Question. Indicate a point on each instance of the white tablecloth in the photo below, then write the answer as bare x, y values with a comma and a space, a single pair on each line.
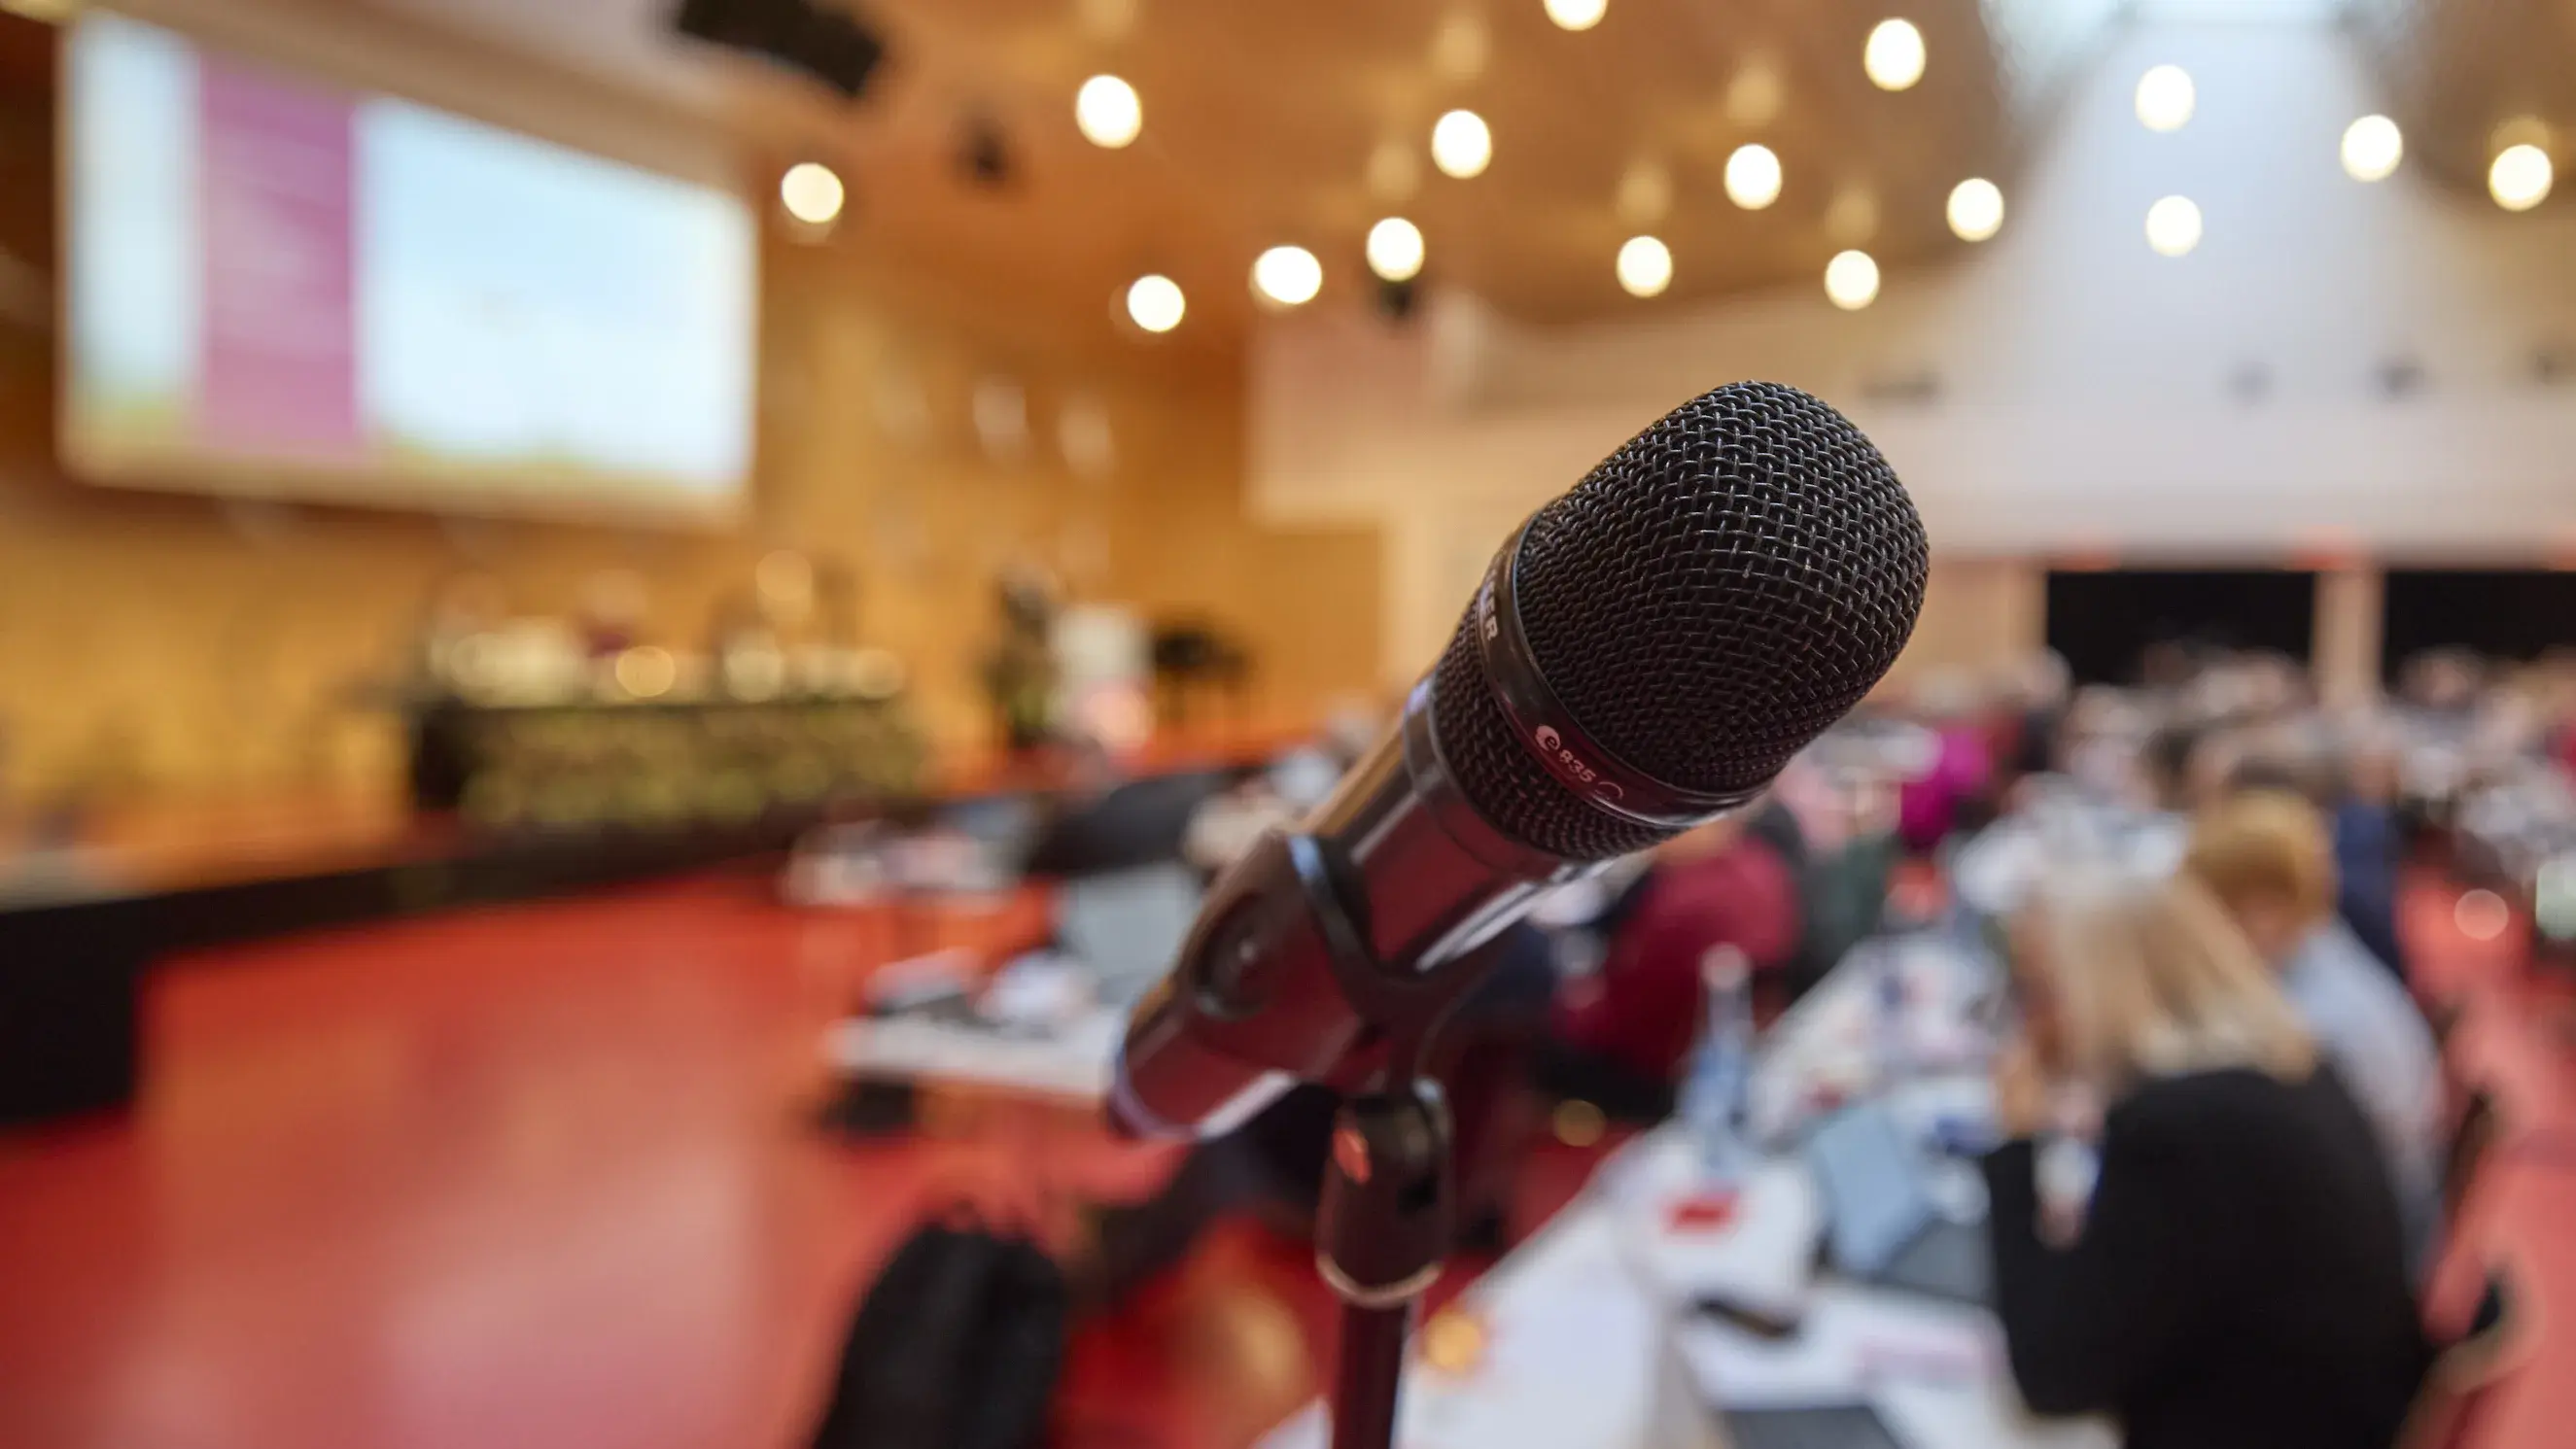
1594, 1342
1077, 1060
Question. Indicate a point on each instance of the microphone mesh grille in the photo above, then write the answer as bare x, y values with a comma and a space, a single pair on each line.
1707, 601
1499, 775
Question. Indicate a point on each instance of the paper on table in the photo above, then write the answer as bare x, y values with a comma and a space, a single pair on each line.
1572, 1352
1760, 1260
1852, 1340
1077, 1062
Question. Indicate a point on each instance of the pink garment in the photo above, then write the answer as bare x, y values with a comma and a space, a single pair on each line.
1927, 806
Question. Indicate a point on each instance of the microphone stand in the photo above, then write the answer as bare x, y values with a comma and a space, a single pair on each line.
1384, 1226
1380, 1239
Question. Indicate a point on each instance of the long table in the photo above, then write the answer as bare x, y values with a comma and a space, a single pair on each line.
1592, 1339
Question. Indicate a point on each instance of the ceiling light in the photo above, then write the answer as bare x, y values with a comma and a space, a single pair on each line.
1753, 177
2173, 226
1461, 146
1576, 14
2372, 147
1976, 209
1645, 266
1154, 302
1894, 55
811, 192
1289, 276
2519, 180
2165, 98
1107, 110
1851, 280
1395, 249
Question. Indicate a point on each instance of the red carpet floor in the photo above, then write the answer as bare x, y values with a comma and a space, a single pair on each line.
544, 1176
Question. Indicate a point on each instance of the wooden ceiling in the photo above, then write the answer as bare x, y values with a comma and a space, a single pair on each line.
2469, 77
1261, 121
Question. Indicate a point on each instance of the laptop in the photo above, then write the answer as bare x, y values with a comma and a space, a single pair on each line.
1883, 1225
1126, 927
1825, 1426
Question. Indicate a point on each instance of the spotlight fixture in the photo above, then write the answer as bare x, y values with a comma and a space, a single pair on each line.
984, 153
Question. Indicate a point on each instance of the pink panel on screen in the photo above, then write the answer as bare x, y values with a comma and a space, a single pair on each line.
280, 373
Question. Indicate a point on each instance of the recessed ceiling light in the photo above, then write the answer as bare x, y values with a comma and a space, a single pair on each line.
1461, 146
1155, 303
1108, 111
1893, 56
1395, 249
1753, 176
2166, 98
811, 192
2372, 147
2520, 177
1576, 14
1645, 266
1289, 276
1976, 209
2173, 226
1851, 280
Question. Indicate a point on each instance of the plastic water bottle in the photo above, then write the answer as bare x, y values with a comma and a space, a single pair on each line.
1712, 1103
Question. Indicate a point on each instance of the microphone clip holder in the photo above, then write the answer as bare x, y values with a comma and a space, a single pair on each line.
1384, 1228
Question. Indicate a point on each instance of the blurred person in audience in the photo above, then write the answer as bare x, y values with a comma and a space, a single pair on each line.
1932, 804
2267, 857
2239, 1278
2099, 742
2165, 767
1619, 1035
2369, 847
1845, 857
2274, 686
2443, 684
2034, 696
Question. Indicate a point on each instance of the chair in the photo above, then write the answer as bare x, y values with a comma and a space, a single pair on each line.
2447, 1409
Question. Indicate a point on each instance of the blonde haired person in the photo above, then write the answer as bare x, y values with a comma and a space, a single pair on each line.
2268, 857
2239, 1281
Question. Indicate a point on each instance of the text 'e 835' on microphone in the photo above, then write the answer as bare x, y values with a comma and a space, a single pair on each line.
1646, 652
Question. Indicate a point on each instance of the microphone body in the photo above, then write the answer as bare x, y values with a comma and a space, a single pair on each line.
1314, 937
1644, 654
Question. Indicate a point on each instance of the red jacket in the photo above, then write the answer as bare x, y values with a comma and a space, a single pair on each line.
1642, 1008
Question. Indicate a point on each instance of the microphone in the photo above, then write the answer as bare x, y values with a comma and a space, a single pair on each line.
1645, 653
